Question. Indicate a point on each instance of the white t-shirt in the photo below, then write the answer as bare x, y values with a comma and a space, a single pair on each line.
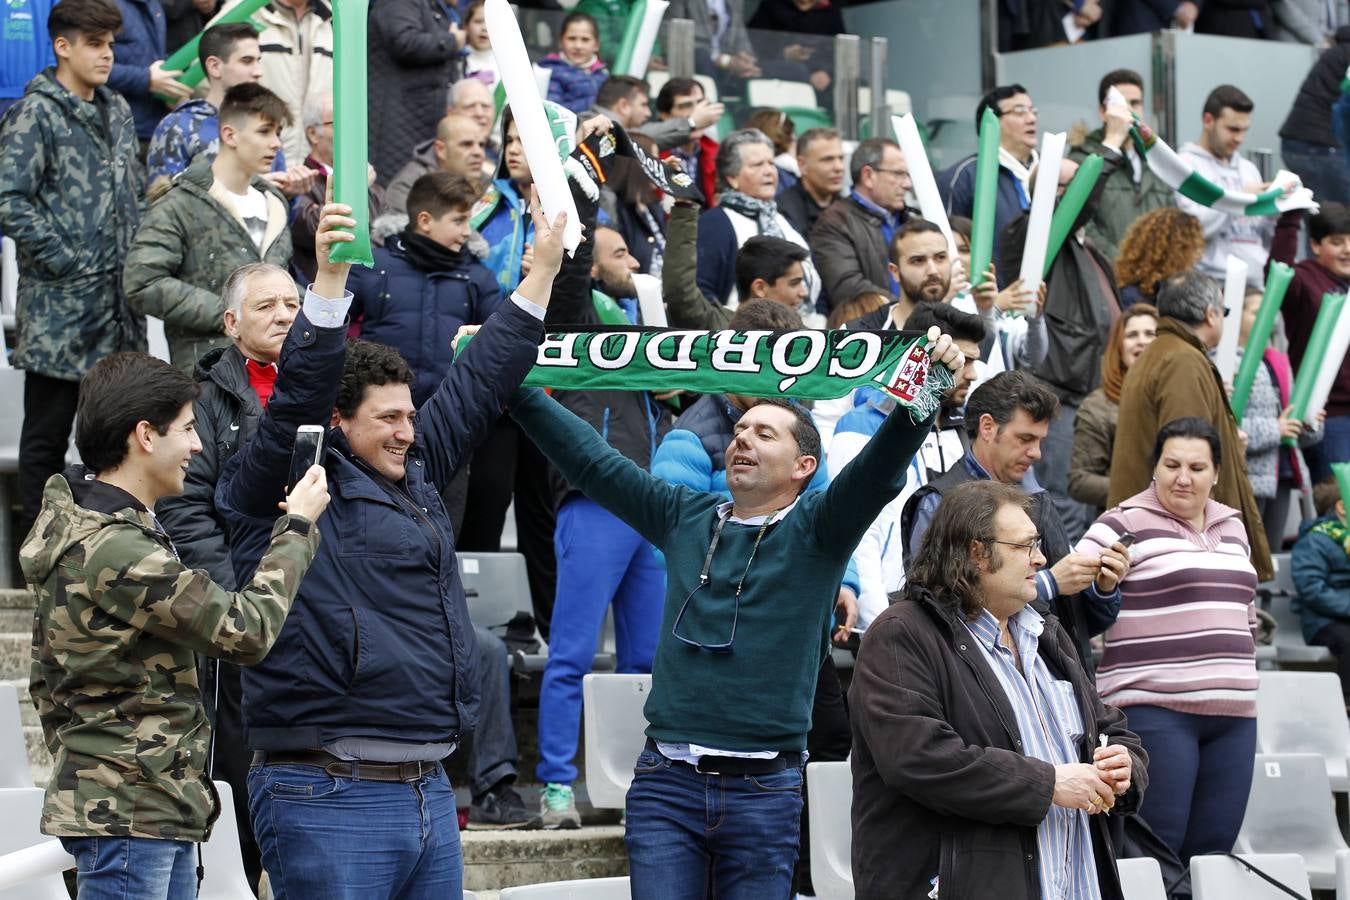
251, 209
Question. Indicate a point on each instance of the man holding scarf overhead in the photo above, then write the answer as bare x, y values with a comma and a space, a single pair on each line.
751, 584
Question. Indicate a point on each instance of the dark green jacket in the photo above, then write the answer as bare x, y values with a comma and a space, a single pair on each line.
1122, 201
114, 675
187, 246
70, 187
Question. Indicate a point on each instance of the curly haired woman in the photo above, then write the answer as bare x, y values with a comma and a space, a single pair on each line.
1158, 245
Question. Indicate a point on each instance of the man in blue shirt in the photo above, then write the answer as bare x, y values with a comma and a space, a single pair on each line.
25, 48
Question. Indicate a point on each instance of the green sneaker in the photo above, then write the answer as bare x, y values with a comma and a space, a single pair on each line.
557, 809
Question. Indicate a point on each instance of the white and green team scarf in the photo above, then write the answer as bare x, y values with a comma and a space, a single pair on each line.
1179, 175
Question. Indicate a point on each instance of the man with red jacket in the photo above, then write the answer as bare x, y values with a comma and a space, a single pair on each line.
681, 98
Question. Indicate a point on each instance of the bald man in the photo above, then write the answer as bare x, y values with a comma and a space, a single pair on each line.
458, 148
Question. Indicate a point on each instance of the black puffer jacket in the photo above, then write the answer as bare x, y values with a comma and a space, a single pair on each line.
937, 758
227, 413
412, 58
632, 422
1309, 118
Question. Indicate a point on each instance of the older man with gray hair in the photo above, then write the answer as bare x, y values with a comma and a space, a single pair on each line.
1173, 379
748, 180
261, 301
852, 239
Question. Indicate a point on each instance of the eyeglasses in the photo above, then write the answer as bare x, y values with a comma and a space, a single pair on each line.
725, 646
1020, 110
1032, 548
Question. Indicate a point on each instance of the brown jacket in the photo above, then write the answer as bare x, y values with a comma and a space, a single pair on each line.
1094, 431
941, 783
1172, 379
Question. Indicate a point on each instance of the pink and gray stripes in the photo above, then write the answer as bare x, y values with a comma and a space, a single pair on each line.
1183, 639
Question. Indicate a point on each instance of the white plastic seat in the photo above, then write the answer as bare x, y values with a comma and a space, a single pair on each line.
14, 771
899, 101
777, 93
20, 814
1289, 644
1291, 810
583, 889
829, 794
496, 587
222, 859
656, 80
1343, 877
1221, 878
615, 734
1304, 712
1141, 879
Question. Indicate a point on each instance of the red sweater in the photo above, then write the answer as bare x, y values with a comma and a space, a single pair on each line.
1303, 300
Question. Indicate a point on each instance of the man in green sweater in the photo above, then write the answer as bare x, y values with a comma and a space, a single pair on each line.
715, 804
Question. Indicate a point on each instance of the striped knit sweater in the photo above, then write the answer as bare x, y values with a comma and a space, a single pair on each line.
1183, 639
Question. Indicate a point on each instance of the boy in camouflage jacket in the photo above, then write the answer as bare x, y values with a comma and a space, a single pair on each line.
118, 621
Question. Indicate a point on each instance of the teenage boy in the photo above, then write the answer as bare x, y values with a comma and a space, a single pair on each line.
218, 215
230, 55
69, 195
1326, 272
118, 623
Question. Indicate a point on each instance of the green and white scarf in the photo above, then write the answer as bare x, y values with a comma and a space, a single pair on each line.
803, 365
1179, 175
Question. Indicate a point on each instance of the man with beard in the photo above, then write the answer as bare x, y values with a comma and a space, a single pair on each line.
922, 266
601, 559
879, 556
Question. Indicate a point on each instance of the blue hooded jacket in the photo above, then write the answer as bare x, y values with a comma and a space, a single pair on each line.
378, 643
1321, 570
140, 42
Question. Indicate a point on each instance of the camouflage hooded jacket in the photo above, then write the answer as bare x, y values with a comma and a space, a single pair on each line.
114, 678
70, 188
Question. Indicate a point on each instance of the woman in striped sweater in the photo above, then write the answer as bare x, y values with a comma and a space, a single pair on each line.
1180, 659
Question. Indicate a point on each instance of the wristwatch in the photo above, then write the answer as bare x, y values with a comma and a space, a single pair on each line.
299, 524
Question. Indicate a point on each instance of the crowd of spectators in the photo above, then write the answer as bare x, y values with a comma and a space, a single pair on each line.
1088, 434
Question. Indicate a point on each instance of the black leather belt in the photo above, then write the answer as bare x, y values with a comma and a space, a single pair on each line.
733, 765
355, 769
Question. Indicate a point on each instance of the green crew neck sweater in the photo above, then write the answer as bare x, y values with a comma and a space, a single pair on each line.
758, 695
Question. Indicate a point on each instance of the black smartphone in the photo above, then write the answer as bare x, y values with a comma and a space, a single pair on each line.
1127, 539
308, 451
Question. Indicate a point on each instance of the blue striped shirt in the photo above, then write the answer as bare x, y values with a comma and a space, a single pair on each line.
1050, 725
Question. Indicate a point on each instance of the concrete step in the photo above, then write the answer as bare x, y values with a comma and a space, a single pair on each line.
16, 611
500, 859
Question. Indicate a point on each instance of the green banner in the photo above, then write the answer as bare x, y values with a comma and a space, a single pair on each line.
804, 365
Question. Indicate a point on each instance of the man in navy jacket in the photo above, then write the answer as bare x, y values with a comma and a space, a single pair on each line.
373, 679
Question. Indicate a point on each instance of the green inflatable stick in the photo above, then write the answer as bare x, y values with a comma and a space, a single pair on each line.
1277, 282
1070, 205
986, 197
1342, 472
350, 148
1313, 357
623, 60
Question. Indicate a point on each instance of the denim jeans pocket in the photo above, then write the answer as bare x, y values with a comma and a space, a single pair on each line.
300, 783
649, 761
787, 781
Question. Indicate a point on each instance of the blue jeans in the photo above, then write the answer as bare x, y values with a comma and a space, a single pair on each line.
331, 838
1322, 169
600, 559
1199, 776
1334, 447
118, 868
692, 836
1052, 471
492, 753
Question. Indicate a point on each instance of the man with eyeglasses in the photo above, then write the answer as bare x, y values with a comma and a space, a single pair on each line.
1016, 157
977, 733
715, 802
1007, 417
852, 238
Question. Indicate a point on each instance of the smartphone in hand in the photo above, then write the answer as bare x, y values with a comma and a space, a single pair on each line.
308, 451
